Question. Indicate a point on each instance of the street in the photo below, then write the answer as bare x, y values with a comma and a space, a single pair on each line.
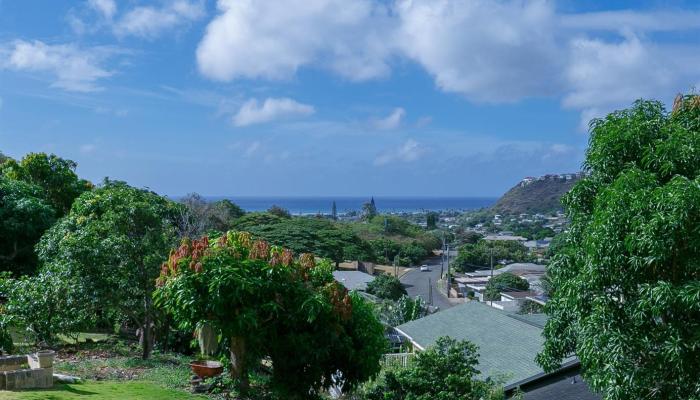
416, 283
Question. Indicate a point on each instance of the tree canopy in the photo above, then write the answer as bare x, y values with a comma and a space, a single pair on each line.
24, 216
625, 283
265, 302
55, 175
473, 256
110, 247
505, 282
386, 287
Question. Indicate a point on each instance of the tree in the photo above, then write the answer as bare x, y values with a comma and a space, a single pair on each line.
445, 370
267, 303
431, 220
279, 211
55, 175
505, 282
386, 287
256, 219
369, 210
405, 309
475, 256
223, 215
24, 216
624, 283
334, 211
111, 245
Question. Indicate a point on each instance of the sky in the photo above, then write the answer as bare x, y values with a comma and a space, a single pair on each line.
331, 97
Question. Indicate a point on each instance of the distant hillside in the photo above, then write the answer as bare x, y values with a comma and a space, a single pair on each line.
536, 195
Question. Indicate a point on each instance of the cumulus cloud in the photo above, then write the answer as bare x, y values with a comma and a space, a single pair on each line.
273, 39
252, 112
149, 22
70, 67
392, 121
106, 8
409, 151
486, 51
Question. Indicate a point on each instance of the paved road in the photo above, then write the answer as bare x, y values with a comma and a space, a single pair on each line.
416, 283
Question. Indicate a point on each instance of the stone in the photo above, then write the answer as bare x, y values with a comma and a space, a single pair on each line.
60, 378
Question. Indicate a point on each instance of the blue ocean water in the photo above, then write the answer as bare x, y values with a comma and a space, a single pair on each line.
313, 205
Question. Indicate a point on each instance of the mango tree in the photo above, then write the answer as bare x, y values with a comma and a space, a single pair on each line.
267, 303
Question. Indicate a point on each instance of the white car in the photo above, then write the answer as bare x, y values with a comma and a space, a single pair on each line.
424, 268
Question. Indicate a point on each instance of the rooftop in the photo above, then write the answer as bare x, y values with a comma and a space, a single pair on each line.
507, 343
353, 280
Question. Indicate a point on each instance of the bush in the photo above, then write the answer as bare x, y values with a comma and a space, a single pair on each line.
502, 283
386, 287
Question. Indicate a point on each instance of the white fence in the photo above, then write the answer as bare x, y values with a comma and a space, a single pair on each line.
397, 359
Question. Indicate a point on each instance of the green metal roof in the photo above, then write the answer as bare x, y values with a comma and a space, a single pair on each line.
507, 343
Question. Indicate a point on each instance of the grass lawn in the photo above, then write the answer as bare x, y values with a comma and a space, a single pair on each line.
102, 390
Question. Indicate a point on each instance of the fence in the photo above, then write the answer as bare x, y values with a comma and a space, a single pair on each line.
399, 360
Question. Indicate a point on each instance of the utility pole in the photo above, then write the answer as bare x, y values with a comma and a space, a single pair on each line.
491, 270
442, 258
430, 291
447, 289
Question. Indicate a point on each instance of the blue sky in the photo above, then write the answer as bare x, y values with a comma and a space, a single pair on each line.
329, 97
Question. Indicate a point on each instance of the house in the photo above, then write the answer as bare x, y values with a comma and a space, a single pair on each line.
505, 238
353, 280
508, 344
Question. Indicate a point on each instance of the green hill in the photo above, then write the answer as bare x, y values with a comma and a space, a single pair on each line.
536, 195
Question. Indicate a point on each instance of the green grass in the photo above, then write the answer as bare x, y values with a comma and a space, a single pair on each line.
103, 391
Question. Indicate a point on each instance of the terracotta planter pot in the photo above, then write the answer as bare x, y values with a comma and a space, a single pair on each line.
206, 369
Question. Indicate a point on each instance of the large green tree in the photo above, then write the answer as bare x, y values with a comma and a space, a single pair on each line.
24, 216
55, 175
264, 302
111, 245
386, 287
625, 284
473, 256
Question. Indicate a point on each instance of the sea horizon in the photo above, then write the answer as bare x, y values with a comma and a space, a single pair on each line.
385, 204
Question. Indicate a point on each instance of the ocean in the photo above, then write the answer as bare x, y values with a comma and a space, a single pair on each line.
314, 205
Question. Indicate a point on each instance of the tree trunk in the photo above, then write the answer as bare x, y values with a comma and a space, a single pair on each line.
147, 330
238, 367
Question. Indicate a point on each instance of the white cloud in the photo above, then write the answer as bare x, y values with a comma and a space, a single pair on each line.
409, 151
72, 68
486, 51
252, 148
392, 121
87, 148
273, 39
106, 8
252, 112
150, 22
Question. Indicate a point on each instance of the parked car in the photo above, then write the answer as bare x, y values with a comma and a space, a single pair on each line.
424, 268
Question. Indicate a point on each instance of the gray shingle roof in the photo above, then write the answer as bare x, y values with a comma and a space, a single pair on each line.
353, 280
507, 344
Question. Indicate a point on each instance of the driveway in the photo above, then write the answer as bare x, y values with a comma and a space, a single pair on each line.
417, 284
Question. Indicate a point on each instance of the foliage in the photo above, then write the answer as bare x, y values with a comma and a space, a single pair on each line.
369, 210
386, 287
478, 255
279, 211
405, 309
625, 293
314, 235
256, 219
444, 371
265, 302
44, 305
110, 247
431, 220
55, 175
223, 215
505, 282
24, 216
